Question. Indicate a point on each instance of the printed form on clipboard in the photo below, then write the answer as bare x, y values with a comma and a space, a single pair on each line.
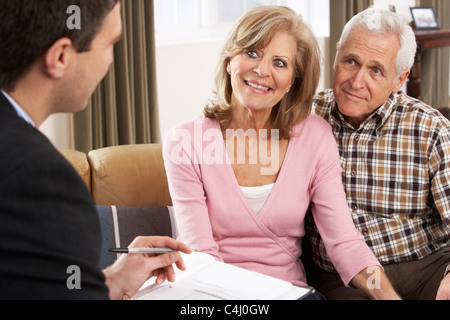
207, 279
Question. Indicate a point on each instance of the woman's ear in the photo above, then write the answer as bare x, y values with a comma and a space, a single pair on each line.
59, 57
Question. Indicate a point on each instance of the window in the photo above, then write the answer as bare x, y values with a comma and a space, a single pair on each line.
179, 21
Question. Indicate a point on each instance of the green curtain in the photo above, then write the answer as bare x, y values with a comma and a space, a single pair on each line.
435, 62
341, 11
123, 110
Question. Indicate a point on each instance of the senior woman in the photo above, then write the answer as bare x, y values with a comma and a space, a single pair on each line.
243, 176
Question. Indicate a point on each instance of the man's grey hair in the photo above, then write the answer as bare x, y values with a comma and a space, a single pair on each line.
375, 20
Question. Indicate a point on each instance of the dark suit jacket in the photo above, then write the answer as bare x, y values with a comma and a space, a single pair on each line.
48, 220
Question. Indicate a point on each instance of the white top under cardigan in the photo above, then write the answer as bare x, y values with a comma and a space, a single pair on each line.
257, 196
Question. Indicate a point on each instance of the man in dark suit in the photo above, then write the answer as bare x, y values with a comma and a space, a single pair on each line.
49, 230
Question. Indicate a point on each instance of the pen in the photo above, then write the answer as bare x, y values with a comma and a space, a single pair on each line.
141, 250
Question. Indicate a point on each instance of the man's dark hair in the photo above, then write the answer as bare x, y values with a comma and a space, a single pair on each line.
28, 28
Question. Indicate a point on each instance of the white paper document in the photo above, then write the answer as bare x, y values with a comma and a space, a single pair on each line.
208, 279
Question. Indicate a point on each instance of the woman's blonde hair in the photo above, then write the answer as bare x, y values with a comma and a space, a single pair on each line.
255, 30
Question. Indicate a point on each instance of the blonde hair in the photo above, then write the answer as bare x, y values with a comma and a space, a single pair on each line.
255, 30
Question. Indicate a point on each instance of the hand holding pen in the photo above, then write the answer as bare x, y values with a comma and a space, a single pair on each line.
131, 271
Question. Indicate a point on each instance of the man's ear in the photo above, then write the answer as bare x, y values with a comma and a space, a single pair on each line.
59, 57
400, 81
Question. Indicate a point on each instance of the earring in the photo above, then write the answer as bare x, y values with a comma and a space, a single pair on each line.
290, 87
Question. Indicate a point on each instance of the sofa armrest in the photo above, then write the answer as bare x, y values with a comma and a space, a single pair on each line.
80, 162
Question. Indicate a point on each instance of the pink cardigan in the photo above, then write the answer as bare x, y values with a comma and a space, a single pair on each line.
213, 216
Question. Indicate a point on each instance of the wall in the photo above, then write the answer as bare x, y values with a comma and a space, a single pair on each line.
58, 128
185, 80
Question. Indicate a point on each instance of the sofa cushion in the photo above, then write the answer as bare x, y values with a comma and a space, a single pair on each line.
121, 225
131, 175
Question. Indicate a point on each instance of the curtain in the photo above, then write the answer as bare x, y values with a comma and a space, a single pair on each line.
341, 11
435, 62
123, 110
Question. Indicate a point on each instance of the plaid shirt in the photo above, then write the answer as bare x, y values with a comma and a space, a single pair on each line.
396, 173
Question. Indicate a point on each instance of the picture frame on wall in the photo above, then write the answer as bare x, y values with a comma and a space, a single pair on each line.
424, 18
